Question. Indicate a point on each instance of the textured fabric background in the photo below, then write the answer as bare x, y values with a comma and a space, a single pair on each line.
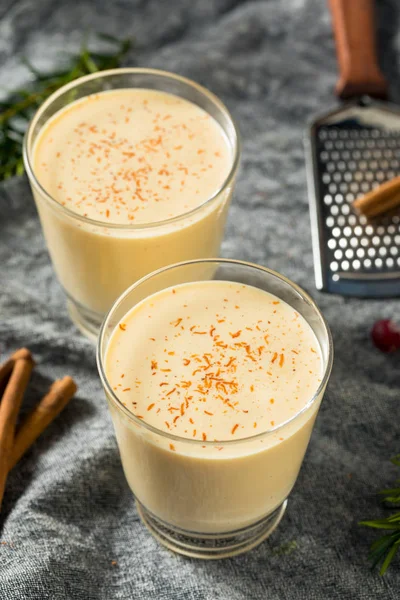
68, 513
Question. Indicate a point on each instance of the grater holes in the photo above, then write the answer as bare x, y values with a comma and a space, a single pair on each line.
330, 221
354, 162
398, 261
347, 231
352, 219
365, 187
334, 266
345, 208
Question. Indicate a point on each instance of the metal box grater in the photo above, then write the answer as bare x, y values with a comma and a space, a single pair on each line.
351, 150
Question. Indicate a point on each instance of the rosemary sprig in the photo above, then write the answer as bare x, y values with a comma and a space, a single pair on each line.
18, 109
384, 549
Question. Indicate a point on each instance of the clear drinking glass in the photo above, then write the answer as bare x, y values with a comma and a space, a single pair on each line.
96, 261
200, 504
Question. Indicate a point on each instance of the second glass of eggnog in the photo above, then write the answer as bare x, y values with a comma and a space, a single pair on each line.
131, 170
214, 371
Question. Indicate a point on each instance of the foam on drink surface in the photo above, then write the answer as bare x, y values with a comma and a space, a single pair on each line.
214, 361
132, 156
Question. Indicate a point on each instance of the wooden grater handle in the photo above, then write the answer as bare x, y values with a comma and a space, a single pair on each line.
353, 24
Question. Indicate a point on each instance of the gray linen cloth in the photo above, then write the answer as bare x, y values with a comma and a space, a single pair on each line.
69, 528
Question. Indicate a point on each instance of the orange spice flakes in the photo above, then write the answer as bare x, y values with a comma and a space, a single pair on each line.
234, 428
150, 406
172, 447
271, 400
176, 323
206, 412
281, 360
236, 334
126, 390
186, 362
122, 326
275, 356
171, 391
204, 436
252, 388
154, 365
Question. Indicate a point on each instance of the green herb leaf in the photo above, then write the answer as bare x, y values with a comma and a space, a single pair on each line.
384, 549
19, 108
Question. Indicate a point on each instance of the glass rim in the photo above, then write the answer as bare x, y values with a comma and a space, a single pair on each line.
170, 436
27, 151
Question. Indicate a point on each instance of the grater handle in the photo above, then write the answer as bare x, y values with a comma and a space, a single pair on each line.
353, 24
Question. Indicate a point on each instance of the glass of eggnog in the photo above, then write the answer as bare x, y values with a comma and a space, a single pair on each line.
131, 170
214, 371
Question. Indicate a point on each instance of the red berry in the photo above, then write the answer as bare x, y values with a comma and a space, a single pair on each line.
386, 335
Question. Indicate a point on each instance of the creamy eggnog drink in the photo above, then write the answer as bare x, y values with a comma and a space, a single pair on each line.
128, 180
224, 366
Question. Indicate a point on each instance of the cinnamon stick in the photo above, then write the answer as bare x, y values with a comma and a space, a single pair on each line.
58, 396
7, 366
9, 409
379, 200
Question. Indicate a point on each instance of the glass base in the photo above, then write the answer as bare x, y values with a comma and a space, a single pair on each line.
87, 321
212, 546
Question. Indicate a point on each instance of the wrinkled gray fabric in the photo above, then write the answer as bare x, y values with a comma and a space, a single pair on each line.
69, 527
